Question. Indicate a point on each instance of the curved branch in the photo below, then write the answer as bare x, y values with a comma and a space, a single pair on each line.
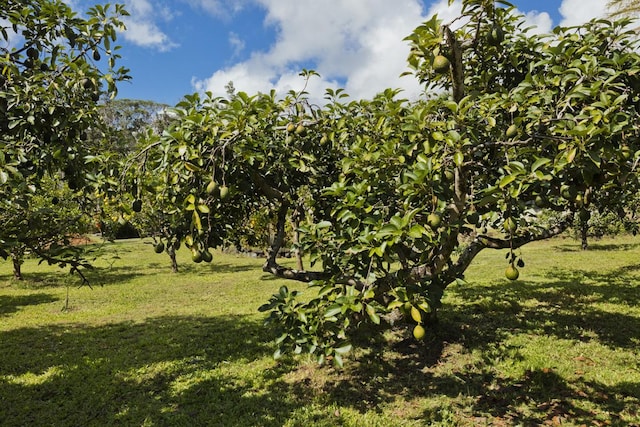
484, 242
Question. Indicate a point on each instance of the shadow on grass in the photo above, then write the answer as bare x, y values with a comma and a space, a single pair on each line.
443, 366
165, 371
593, 247
11, 304
62, 277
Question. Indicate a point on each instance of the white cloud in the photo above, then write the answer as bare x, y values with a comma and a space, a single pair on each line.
237, 43
540, 21
576, 12
142, 27
445, 12
359, 43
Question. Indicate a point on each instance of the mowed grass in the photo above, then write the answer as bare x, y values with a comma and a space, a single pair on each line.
148, 347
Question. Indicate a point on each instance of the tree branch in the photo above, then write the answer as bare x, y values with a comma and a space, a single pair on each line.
485, 242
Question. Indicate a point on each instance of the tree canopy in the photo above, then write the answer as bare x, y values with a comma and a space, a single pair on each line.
55, 67
394, 198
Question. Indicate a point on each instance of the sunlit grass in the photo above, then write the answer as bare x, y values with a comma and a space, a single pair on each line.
144, 346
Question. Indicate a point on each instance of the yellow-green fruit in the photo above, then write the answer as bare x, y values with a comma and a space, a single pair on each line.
196, 256
206, 256
300, 129
415, 314
458, 158
434, 219
212, 187
510, 225
512, 272
224, 192
418, 332
291, 127
512, 131
495, 36
441, 64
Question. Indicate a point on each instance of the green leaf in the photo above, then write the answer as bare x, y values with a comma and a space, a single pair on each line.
333, 310
371, 311
506, 180
539, 163
323, 224
343, 349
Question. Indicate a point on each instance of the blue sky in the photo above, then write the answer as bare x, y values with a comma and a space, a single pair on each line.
177, 47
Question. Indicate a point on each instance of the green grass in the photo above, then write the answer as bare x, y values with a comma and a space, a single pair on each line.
147, 347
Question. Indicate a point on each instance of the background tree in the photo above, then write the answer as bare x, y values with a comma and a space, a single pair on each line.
126, 122
404, 194
621, 8
55, 66
46, 226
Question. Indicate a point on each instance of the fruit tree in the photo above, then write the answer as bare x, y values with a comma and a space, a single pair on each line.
54, 68
394, 198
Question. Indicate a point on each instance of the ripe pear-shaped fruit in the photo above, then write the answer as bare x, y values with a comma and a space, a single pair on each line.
511, 272
495, 36
441, 64
512, 131
224, 192
212, 187
196, 256
434, 220
300, 129
291, 127
419, 332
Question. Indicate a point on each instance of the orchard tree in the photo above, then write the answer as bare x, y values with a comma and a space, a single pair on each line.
46, 226
54, 68
394, 199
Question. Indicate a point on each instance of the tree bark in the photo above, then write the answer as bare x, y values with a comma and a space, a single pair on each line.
17, 266
174, 263
584, 228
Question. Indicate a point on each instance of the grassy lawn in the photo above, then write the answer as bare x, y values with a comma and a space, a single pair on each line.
558, 347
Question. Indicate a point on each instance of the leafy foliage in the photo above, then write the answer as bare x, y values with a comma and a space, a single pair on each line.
55, 67
394, 199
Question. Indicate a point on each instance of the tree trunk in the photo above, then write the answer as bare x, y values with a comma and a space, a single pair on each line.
17, 266
296, 250
174, 263
584, 228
